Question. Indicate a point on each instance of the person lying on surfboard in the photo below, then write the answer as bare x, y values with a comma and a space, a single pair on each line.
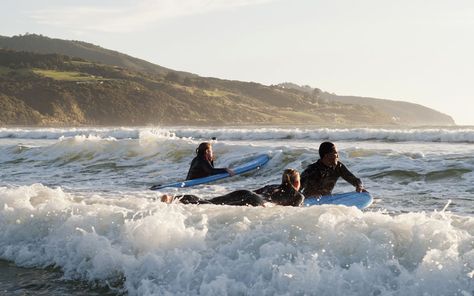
320, 177
285, 194
203, 164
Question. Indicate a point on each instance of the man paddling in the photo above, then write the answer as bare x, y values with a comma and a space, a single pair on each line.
320, 177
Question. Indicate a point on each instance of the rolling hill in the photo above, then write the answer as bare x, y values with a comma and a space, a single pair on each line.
46, 81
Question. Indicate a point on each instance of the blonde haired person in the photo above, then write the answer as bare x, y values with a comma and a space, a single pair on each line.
286, 193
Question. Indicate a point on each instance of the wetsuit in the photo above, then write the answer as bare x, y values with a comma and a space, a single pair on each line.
318, 179
283, 195
201, 167
236, 198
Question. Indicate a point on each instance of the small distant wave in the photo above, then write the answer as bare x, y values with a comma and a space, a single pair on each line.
445, 135
83, 149
397, 174
465, 135
58, 133
415, 176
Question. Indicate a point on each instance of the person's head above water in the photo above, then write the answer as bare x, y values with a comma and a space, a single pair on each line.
325, 148
291, 177
328, 153
205, 150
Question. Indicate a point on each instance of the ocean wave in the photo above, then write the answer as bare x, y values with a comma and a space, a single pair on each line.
356, 134
431, 176
445, 135
92, 148
58, 133
144, 247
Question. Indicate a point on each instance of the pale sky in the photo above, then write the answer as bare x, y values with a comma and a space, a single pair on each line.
420, 51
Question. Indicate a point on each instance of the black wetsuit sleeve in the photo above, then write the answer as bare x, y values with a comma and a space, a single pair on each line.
348, 176
191, 199
235, 198
259, 190
267, 190
201, 168
238, 198
288, 198
216, 171
280, 195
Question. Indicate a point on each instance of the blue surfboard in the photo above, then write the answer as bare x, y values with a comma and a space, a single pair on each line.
360, 200
256, 163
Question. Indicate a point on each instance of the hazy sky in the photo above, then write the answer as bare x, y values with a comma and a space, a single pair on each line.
410, 50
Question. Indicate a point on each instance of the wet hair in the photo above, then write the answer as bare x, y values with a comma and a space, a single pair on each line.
325, 148
201, 149
289, 177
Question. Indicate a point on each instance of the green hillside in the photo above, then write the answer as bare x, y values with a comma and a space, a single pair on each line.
76, 83
87, 51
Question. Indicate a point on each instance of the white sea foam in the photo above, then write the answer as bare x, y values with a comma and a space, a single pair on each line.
347, 134
79, 199
151, 248
56, 133
451, 135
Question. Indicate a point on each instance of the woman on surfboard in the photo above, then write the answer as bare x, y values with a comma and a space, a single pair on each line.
203, 164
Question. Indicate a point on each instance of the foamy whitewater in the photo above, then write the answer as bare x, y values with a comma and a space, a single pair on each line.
76, 215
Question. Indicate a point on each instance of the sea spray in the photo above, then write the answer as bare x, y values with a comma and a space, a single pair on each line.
154, 248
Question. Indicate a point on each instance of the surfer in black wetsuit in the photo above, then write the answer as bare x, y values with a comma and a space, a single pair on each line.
320, 177
203, 164
285, 194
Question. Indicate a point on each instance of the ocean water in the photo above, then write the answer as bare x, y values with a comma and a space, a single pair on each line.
76, 215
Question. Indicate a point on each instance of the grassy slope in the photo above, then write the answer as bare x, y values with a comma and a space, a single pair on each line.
161, 95
80, 92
